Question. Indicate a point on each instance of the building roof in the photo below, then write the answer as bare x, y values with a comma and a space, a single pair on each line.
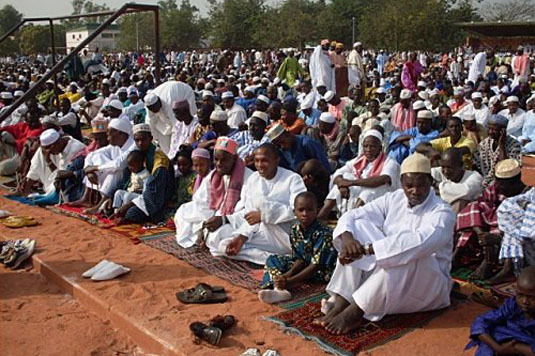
500, 29
92, 27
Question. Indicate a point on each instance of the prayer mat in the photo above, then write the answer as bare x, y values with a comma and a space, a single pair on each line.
77, 212
373, 334
505, 290
463, 275
20, 199
243, 274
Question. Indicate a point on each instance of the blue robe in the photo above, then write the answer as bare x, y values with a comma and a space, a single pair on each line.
503, 324
303, 149
400, 151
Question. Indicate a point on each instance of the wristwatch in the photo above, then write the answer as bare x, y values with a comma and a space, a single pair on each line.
368, 249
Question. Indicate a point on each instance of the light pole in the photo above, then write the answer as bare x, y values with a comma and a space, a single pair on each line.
353, 25
137, 36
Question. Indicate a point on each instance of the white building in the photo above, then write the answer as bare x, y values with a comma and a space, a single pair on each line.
107, 40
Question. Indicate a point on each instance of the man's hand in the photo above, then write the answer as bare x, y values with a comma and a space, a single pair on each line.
344, 192
213, 223
351, 249
234, 247
507, 348
525, 141
253, 217
91, 169
92, 177
344, 183
64, 174
280, 282
121, 212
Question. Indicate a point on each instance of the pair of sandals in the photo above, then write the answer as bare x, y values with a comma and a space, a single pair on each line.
212, 332
203, 294
14, 252
16, 222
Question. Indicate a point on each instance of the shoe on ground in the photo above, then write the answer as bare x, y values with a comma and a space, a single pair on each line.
110, 271
92, 271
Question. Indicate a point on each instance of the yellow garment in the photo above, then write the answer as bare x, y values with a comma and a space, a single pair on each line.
442, 144
160, 160
73, 97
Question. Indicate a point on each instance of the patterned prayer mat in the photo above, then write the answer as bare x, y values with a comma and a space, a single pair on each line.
505, 290
243, 274
300, 321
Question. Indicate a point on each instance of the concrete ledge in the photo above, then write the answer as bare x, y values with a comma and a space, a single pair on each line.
143, 337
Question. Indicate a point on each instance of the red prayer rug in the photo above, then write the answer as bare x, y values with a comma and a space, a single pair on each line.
299, 320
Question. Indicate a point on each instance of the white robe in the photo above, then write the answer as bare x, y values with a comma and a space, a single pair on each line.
163, 122
516, 122
390, 168
468, 188
40, 171
355, 70
478, 67
111, 162
321, 72
274, 199
410, 271
182, 134
236, 116
190, 217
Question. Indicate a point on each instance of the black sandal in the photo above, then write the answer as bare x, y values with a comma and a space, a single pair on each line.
202, 294
210, 334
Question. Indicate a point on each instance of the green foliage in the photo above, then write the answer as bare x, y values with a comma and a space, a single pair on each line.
137, 28
9, 17
180, 26
233, 23
85, 7
414, 24
36, 38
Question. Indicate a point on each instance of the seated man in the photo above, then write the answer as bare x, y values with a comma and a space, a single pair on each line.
331, 136
55, 153
250, 139
13, 139
268, 197
456, 185
404, 143
394, 254
364, 178
151, 204
477, 223
215, 208
495, 148
295, 149
435, 148
104, 167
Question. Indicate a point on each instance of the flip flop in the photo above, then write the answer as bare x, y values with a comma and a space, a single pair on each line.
202, 294
15, 222
210, 334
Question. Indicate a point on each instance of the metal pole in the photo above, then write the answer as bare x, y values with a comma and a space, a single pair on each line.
157, 38
53, 49
137, 36
353, 25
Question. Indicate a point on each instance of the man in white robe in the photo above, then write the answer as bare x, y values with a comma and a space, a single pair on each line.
355, 66
201, 219
56, 153
104, 167
456, 185
477, 68
160, 115
184, 127
394, 254
236, 113
515, 115
321, 68
268, 197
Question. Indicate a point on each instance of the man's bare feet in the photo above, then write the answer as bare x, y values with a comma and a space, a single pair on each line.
483, 272
82, 203
505, 275
339, 305
346, 321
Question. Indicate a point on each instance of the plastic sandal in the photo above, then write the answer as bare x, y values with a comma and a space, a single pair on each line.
202, 294
210, 334
19, 221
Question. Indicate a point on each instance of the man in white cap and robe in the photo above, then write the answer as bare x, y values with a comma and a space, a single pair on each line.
515, 115
480, 110
321, 69
250, 139
104, 167
160, 114
56, 153
394, 254
236, 113
268, 197
356, 72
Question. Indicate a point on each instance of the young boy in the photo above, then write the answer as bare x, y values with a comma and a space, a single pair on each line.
138, 175
313, 256
509, 330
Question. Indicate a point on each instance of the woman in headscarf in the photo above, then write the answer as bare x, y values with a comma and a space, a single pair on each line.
364, 178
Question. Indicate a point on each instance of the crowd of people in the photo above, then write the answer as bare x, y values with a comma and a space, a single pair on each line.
414, 159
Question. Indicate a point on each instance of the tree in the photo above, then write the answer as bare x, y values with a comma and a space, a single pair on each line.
511, 10
180, 26
414, 24
9, 17
80, 7
36, 38
336, 21
137, 29
234, 22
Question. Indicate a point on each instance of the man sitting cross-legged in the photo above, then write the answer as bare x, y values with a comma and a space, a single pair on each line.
268, 197
394, 254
